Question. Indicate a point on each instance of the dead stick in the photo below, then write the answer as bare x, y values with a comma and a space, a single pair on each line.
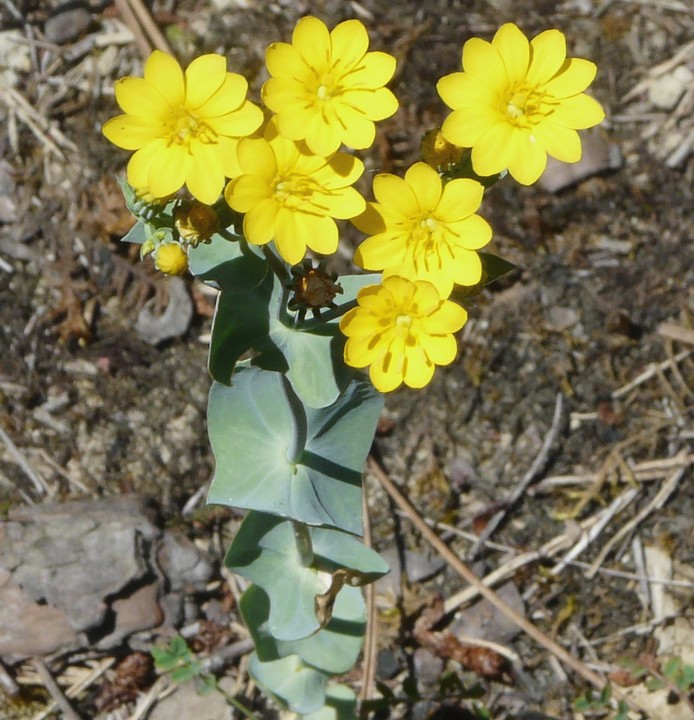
371, 618
517, 492
464, 571
54, 690
7, 682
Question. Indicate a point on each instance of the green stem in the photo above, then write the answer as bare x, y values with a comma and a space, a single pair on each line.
276, 265
237, 704
304, 546
328, 316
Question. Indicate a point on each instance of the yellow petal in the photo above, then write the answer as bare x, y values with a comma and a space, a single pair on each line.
323, 138
321, 234
284, 61
426, 185
342, 204
259, 222
131, 132
386, 375
482, 59
206, 176
382, 250
163, 72
312, 40
578, 112
245, 192
374, 71
355, 130
370, 221
547, 55
344, 170
466, 126
359, 352
528, 160
359, 323
349, 42
227, 152
240, 122
227, 98
492, 152
291, 231
402, 291
372, 104
473, 232
396, 194
441, 349
138, 97
169, 170
418, 368
204, 77
559, 142
461, 197
467, 268
449, 318
514, 49
462, 90
574, 78
425, 299
256, 157
141, 162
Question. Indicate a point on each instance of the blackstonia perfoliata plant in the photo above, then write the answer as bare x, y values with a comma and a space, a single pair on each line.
237, 195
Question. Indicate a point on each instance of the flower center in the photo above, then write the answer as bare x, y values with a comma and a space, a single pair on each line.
184, 127
403, 322
526, 106
294, 191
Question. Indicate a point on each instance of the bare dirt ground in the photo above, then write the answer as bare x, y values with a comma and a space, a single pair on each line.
597, 551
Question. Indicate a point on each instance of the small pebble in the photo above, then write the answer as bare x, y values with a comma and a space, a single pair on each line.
67, 23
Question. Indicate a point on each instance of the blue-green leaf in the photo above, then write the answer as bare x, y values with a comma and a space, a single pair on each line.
333, 649
228, 261
137, 234
295, 685
340, 704
264, 551
252, 427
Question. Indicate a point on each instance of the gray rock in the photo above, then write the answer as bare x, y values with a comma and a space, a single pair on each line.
90, 573
599, 155
173, 322
67, 23
186, 703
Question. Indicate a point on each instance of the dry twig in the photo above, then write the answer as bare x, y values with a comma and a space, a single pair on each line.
54, 690
452, 559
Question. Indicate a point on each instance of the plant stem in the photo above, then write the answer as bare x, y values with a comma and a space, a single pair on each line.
304, 546
276, 265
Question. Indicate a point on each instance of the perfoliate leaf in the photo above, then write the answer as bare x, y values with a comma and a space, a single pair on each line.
253, 427
340, 704
493, 267
333, 649
294, 684
264, 551
228, 261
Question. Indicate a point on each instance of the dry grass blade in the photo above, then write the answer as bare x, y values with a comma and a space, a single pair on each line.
140, 22
525, 625
54, 690
370, 641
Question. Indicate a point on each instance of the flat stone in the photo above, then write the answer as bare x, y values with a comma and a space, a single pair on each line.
67, 23
599, 155
173, 322
90, 569
666, 91
210, 706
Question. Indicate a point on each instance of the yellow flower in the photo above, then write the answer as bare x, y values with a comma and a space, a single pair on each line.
518, 101
292, 195
171, 259
183, 127
326, 88
401, 330
424, 230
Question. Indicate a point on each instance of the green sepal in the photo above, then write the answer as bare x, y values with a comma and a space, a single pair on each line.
138, 234
333, 649
254, 424
340, 704
229, 261
292, 683
264, 552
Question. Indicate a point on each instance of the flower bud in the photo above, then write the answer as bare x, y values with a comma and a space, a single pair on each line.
171, 259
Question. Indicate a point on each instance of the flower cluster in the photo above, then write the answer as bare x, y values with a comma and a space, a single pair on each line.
515, 102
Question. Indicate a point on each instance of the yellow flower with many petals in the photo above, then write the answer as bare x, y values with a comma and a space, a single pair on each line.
517, 101
424, 230
326, 88
401, 330
291, 195
184, 127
